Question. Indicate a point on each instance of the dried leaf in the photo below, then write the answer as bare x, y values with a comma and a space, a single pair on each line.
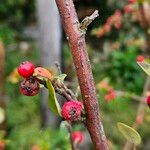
42, 72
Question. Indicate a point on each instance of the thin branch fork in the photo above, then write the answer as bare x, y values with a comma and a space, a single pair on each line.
88, 20
77, 44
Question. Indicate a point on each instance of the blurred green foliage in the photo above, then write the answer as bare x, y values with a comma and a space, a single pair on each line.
17, 12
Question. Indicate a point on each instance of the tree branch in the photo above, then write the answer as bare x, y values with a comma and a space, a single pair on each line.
77, 44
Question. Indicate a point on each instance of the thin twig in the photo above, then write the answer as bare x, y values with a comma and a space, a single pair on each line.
132, 96
88, 20
70, 132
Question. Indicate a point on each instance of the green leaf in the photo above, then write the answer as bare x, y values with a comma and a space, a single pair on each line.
145, 66
52, 100
61, 77
129, 133
64, 130
140, 1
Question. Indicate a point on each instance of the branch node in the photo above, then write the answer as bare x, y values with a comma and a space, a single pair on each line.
87, 20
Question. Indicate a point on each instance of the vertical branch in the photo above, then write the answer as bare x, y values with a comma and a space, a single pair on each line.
76, 39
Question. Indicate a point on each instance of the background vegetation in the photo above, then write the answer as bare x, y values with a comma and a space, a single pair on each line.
113, 58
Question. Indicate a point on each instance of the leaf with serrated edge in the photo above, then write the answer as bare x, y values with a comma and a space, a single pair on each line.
145, 66
52, 100
129, 133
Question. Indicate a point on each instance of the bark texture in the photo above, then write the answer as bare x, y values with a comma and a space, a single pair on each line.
76, 39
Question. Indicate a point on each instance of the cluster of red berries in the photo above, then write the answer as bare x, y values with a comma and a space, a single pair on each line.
112, 21
29, 86
129, 8
71, 110
115, 20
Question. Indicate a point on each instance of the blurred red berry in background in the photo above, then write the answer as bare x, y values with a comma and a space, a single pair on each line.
77, 137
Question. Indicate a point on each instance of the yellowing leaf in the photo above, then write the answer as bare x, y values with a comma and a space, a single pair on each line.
52, 100
2, 115
129, 133
14, 77
145, 66
42, 72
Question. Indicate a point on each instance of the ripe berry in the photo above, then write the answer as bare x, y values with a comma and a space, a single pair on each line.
77, 137
71, 110
148, 101
128, 9
107, 28
35, 147
29, 87
111, 95
26, 69
140, 58
2, 144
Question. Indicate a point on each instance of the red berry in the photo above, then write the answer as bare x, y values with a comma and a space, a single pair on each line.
29, 87
77, 137
148, 101
26, 69
140, 58
107, 28
71, 110
35, 147
117, 25
2, 144
111, 95
128, 9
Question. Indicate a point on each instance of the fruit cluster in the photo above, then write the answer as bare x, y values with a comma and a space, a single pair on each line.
71, 110
29, 86
116, 20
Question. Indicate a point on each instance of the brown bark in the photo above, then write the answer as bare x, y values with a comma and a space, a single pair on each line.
77, 44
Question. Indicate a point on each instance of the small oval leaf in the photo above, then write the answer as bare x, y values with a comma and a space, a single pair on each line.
2, 115
61, 77
129, 133
52, 100
42, 72
145, 66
